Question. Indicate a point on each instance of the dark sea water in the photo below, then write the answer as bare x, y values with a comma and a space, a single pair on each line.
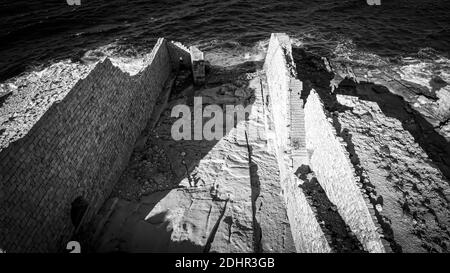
35, 33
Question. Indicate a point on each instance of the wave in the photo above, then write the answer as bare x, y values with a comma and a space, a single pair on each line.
424, 68
229, 52
427, 67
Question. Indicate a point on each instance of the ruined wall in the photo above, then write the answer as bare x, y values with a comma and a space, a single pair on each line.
331, 164
278, 79
78, 148
179, 54
326, 156
306, 231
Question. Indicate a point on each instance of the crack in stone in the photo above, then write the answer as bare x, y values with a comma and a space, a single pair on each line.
255, 191
212, 235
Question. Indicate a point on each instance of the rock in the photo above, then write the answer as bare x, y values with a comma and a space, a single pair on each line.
240, 92
422, 99
437, 82
379, 207
385, 149
304, 169
160, 179
12, 86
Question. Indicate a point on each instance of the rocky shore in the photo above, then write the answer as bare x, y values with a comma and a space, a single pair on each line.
396, 136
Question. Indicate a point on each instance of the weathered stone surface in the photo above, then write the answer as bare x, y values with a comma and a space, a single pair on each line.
393, 150
401, 176
78, 147
280, 72
229, 201
198, 65
311, 168
336, 175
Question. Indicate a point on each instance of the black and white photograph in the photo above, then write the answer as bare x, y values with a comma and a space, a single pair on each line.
253, 128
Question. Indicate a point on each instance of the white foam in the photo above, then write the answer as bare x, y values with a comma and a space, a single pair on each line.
422, 72
131, 64
224, 56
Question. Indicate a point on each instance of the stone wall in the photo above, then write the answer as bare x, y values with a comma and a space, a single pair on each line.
281, 80
77, 149
179, 54
278, 80
331, 164
294, 124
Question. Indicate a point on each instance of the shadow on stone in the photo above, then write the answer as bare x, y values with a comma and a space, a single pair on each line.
159, 164
312, 71
338, 234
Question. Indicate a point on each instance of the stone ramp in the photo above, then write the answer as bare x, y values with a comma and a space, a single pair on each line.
270, 207
297, 132
297, 117
284, 121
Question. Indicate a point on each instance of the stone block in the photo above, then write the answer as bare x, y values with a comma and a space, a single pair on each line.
198, 65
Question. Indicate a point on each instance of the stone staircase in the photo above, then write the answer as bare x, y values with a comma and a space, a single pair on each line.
299, 154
